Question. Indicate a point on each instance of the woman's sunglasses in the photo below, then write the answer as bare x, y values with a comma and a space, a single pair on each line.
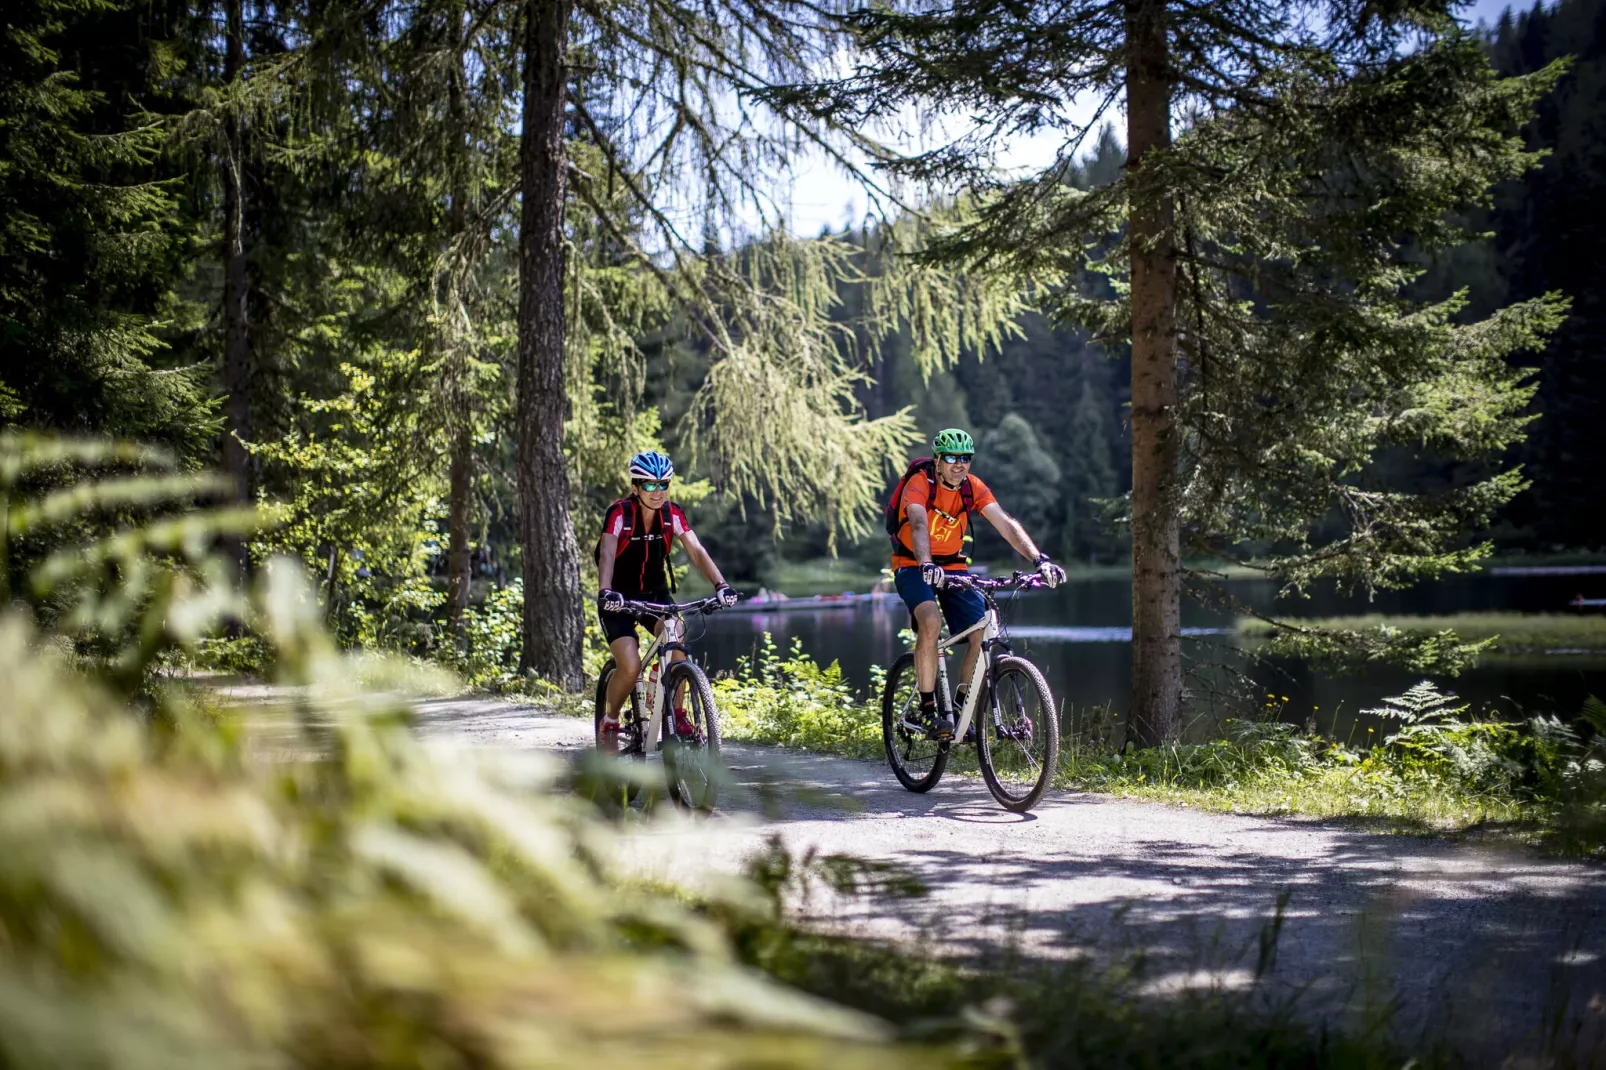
653, 488
957, 458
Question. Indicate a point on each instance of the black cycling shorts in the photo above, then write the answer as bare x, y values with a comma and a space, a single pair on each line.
623, 625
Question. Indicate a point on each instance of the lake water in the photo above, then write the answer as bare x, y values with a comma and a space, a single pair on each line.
1080, 636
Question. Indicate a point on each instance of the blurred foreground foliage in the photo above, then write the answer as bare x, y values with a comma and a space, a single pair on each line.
302, 882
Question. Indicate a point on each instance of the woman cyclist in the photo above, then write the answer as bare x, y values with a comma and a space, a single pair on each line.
633, 565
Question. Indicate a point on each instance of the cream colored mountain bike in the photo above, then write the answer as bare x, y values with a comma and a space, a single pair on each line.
1016, 724
646, 730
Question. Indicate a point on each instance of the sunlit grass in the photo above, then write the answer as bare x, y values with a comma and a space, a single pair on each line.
1513, 633
1424, 803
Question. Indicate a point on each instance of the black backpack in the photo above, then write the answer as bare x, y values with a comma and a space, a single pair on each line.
893, 514
665, 525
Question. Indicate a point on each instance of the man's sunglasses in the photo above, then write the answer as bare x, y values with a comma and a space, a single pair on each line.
653, 488
957, 458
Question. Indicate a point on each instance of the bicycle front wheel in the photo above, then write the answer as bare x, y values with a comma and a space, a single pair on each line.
1019, 753
691, 762
917, 760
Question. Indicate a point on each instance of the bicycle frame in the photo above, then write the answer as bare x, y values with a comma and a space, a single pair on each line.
661, 649
655, 699
989, 641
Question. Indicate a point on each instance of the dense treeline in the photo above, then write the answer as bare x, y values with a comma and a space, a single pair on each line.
1548, 230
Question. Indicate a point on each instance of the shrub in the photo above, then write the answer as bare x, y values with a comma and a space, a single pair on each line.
794, 702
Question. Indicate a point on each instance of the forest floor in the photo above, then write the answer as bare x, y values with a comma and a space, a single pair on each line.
1497, 947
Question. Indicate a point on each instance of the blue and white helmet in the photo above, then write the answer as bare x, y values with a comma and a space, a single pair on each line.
650, 464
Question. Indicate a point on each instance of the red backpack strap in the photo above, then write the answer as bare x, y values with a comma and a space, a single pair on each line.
928, 467
666, 521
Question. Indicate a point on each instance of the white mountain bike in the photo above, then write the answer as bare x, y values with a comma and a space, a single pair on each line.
1017, 735
645, 726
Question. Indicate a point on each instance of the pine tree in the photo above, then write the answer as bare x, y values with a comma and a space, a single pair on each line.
1089, 475
1281, 161
552, 597
89, 242
237, 377
1023, 474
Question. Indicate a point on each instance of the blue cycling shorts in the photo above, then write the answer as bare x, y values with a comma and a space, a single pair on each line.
961, 608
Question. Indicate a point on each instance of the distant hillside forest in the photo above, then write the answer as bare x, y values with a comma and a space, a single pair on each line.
1048, 412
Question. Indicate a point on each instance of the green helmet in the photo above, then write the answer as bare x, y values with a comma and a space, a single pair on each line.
953, 440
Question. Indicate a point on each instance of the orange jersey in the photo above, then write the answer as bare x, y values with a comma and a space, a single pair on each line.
946, 519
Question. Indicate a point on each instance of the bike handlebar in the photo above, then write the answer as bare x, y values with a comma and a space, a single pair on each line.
665, 609
1019, 580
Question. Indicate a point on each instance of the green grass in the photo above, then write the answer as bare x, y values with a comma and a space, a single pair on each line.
1513, 633
1234, 779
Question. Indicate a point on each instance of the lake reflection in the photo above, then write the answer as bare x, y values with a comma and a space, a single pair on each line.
1080, 636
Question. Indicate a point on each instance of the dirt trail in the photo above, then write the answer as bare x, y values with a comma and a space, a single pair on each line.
1485, 942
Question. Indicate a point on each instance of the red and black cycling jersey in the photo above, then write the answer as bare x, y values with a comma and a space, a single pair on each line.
640, 564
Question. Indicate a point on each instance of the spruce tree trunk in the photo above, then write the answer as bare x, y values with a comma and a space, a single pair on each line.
458, 575
1156, 715
236, 338
553, 628
460, 419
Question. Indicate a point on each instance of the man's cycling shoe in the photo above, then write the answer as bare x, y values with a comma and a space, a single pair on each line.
929, 724
608, 735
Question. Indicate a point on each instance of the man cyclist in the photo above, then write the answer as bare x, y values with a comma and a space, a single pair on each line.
934, 514
633, 565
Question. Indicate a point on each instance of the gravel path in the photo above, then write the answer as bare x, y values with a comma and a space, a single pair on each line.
1496, 946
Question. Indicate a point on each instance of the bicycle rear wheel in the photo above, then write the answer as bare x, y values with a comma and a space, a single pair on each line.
917, 760
1020, 756
692, 765
629, 738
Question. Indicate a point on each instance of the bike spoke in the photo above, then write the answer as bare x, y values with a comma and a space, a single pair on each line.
691, 759
1022, 746
916, 759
